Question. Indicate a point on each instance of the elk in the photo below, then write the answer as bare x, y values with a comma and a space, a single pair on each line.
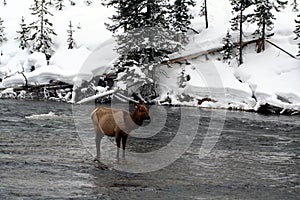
117, 123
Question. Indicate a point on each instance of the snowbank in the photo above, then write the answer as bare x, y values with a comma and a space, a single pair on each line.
269, 77
274, 80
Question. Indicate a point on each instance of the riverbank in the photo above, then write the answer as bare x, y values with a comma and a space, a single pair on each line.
196, 76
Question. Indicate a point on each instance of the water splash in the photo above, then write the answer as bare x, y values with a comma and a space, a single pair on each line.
50, 115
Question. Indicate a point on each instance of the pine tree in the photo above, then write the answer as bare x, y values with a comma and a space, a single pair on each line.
41, 38
147, 39
59, 5
127, 15
203, 12
71, 43
239, 6
264, 18
2, 34
24, 35
295, 6
228, 48
180, 14
297, 32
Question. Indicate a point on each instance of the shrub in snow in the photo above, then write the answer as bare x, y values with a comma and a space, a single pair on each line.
2, 34
133, 75
88, 2
297, 32
72, 3
183, 78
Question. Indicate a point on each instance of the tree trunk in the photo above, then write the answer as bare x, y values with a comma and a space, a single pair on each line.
148, 12
241, 35
263, 34
206, 18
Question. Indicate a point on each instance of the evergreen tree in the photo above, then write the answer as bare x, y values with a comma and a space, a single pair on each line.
24, 35
71, 43
228, 48
264, 17
2, 34
203, 12
180, 14
127, 15
147, 39
297, 32
295, 6
41, 38
59, 5
237, 21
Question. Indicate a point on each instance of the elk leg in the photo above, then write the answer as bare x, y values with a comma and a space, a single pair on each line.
98, 138
118, 141
124, 139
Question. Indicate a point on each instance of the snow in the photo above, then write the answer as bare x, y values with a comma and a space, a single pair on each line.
70, 67
271, 76
50, 115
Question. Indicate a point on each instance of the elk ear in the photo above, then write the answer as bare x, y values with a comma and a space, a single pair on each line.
136, 105
142, 102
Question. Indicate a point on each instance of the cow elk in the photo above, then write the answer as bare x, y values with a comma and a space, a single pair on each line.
117, 123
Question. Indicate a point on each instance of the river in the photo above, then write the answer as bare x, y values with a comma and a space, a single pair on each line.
47, 149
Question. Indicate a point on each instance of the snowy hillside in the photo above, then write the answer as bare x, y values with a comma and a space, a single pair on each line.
268, 77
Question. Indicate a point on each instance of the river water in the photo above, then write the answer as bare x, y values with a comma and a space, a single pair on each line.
46, 152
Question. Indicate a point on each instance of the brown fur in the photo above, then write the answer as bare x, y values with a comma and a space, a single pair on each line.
117, 123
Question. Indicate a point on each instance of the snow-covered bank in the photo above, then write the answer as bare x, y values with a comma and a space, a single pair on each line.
271, 77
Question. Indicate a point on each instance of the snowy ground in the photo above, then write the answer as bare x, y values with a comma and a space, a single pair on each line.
270, 77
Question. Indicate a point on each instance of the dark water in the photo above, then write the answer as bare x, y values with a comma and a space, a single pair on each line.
48, 157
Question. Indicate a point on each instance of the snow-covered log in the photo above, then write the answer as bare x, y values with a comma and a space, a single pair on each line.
267, 109
91, 98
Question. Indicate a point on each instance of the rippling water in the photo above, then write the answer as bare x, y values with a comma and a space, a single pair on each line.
45, 155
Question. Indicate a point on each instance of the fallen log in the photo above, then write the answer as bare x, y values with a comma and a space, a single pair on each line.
91, 98
281, 49
203, 53
267, 109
